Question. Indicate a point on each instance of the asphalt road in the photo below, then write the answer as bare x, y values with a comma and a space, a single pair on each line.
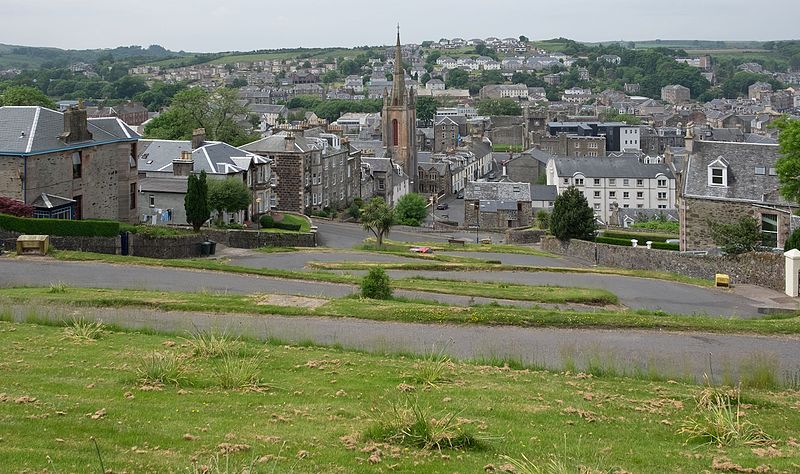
346, 235
670, 355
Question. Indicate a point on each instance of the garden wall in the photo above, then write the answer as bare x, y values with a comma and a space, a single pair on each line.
110, 245
524, 236
755, 268
181, 246
250, 239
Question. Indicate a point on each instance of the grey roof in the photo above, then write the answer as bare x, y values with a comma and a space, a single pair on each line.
742, 159
31, 130
267, 108
50, 201
537, 153
376, 145
277, 143
441, 167
212, 157
166, 184
623, 167
377, 164
497, 191
543, 192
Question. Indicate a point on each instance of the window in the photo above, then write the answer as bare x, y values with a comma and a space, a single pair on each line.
152, 201
566, 180
639, 183
578, 181
626, 195
626, 206
662, 196
597, 194
132, 157
662, 183
662, 206
773, 172
612, 194
612, 181
596, 182
381, 184
77, 165
626, 182
395, 132
640, 206
717, 176
133, 196
639, 195
769, 230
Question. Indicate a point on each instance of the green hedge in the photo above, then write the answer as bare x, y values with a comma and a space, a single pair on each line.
268, 222
641, 237
610, 240
87, 228
665, 246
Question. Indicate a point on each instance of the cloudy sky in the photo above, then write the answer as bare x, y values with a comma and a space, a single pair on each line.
214, 25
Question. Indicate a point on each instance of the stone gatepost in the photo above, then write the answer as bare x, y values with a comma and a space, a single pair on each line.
792, 272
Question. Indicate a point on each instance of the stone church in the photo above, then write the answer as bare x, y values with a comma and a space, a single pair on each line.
400, 120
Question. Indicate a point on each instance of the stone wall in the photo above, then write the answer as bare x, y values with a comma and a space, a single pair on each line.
249, 239
182, 246
524, 236
763, 269
109, 245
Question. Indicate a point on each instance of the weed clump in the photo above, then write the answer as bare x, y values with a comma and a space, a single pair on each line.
162, 368
376, 285
80, 329
233, 373
718, 420
212, 345
433, 370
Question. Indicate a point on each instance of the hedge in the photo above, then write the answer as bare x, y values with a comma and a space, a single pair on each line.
665, 246
610, 240
268, 222
88, 228
641, 237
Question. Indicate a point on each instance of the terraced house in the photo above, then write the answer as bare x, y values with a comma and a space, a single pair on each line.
85, 167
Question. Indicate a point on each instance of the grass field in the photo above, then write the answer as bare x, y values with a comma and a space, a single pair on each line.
393, 310
155, 403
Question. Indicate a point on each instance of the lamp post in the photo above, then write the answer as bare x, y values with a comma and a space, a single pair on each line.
257, 213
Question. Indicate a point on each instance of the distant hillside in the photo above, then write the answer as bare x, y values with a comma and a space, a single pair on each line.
29, 57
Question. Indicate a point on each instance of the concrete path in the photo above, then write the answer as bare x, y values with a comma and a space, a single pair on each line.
671, 355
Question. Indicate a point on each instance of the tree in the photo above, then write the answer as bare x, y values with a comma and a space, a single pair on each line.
14, 207
572, 218
738, 237
411, 209
426, 109
376, 285
788, 163
196, 201
127, 87
457, 79
504, 106
330, 77
523, 39
24, 95
377, 218
227, 195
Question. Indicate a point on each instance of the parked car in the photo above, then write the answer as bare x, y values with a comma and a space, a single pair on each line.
460, 195
442, 206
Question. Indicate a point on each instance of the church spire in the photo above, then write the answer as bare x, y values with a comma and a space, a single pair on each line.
398, 80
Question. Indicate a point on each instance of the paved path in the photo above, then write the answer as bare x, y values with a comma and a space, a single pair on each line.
673, 355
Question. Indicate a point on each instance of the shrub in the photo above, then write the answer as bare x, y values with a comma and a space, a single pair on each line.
613, 241
673, 227
738, 237
433, 370
213, 345
376, 285
411, 209
87, 228
15, 208
354, 211
267, 222
82, 330
666, 246
572, 218
543, 219
793, 242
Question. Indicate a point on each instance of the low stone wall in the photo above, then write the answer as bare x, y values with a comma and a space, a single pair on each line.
756, 268
250, 239
524, 236
182, 246
109, 245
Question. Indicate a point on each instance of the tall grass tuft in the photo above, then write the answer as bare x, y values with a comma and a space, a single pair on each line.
760, 372
718, 420
554, 465
410, 424
80, 329
232, 373
162, 368
58, 287
212, 345
433, 370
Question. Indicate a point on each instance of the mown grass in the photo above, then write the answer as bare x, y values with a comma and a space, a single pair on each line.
391, 246
59, 397
402, 310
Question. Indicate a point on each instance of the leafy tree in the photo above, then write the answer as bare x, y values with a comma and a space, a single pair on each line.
788, 164
793, 242
614, 116
330, 77
377, 218
196, 201
376, 285
523, 39
432, 57
504, 106
738, 237
227, 195
127, 87
457, 79
160, 95
14, 207
426, 109
425, 78
543, 219
411, 209
572, 218
24, 95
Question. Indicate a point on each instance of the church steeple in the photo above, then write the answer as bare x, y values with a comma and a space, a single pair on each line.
398, 80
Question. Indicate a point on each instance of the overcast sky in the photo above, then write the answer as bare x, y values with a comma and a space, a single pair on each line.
226, 25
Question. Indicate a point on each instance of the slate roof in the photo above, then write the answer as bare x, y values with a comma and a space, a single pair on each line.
212, 157
277, 143
376, 145
623, 167
497, 191
743, 182
35, 130
50, 201
543, 192
166, 184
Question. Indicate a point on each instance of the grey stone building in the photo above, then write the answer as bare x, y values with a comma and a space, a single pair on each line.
726, 181
89, 161
382, 177
526, 167
498, 205
447, 133
311, 170
675, 94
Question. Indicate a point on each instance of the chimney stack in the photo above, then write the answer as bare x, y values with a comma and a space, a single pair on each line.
198, 138
76, 126
289, 141
183, 166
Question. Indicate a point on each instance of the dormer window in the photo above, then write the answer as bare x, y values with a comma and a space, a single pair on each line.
718, 172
